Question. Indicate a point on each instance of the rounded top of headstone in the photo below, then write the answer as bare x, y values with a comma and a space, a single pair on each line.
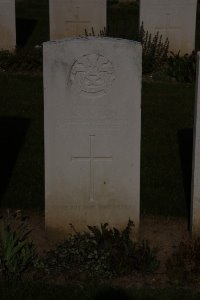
91, 39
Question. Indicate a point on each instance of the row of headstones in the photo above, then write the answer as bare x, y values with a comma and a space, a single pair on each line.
92, 107
175, 19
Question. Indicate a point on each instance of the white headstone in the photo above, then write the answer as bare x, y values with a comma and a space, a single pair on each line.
195, 203
92, 98
7, 25
70, 18
174, 19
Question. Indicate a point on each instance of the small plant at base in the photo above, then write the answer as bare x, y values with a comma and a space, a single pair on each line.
16, 252
102, 252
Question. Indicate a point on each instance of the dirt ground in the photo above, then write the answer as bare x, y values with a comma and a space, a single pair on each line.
163, 233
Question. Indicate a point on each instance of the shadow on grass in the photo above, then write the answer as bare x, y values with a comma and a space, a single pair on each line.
185, 140
12, 135
24, 29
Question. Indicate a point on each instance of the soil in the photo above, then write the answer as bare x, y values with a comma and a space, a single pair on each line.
163, 233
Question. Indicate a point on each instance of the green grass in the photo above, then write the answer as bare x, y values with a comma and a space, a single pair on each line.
167, 109
41, 291
22, 96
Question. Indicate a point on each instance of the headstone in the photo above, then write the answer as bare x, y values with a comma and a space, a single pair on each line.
70, 18
195, 203
7, 25
92, 98
174, 19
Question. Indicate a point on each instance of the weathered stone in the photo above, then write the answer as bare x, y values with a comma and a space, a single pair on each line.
70, 18
92, 98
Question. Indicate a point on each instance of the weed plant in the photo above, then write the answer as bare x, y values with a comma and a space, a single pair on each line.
154, 51
184, 264
16, 251
157, 59
101, 253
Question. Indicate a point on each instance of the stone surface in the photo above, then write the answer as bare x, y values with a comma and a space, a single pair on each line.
7, 25
70, 18
175, 19
92, 98
195, 203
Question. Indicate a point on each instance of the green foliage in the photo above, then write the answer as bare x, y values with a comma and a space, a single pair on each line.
154, 51
101, 252
23, 60
182, 68
16, 252
145, 259
184, 264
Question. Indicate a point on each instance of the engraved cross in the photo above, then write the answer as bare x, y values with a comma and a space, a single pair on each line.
76, 20
92, 159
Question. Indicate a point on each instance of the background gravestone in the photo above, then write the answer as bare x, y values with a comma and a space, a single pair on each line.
175, 19
195, 207
7, 25
92, 104
70, 18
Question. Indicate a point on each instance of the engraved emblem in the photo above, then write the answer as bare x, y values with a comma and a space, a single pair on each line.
93, 75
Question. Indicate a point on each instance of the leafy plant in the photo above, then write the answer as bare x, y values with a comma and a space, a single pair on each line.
16, 252
154, 51
184, 263
182, 68
101, 252
145, 258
